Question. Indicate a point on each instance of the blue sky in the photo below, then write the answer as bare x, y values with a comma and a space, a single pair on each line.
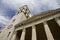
8, 8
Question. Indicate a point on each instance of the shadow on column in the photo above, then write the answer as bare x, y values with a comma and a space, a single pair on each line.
41, 35
18, 36
28, 34
55, 29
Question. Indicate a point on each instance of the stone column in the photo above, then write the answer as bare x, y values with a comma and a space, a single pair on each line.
23, 35
14, 36
34, 33
48, 32
58, 21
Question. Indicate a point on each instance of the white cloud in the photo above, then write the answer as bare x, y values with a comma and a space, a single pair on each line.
51, 3
17, 3
33, 4
14, 4
3, 20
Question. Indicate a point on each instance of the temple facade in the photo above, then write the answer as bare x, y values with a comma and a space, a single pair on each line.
43, 26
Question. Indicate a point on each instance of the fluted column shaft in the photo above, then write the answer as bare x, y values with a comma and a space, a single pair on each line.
14, 36
23, 35
48, 32
33, 33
